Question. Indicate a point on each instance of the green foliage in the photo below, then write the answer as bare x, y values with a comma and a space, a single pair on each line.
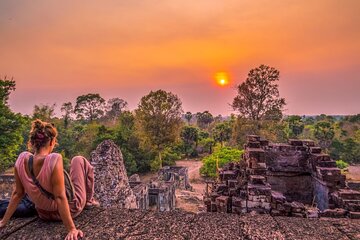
190, 137
6, 87
11, 127
207, 144
159, 119
222, 132
168, 158
258, 97
296, 126
188, 117
89, 107
115, 107
204, 119
353, 118
242, 128
324, 133
351, 151
223, 156
136, 158
341, 164
44, 112
67, 110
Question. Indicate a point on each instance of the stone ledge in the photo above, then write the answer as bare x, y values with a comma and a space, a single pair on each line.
115, 223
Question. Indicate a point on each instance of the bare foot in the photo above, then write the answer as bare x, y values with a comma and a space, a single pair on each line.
92, 204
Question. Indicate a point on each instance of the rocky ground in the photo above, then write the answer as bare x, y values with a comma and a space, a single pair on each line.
134, 224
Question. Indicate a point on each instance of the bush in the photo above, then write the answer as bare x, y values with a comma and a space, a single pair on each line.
168, 155
341, 164
223, 156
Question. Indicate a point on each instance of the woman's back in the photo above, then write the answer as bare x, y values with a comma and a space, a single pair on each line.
47, 208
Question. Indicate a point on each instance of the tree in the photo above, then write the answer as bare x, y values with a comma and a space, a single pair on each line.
44, 112
296, 125
136, 158
159, 117
204, 119
11, 126
222, 132
190, 137
67, 110
258, 97
89, 107
324, 133
351, 151
115, 107
188, 117
6, 87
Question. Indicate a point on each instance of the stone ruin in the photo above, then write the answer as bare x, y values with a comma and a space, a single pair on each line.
294, 179
114, 188
176, 174
160, 192
111, 181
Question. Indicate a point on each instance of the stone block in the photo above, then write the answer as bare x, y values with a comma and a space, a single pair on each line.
354, 215
295, 142
255, 154
277, 197
237, 202
256, 189
309, 143
232, 183
315, 150
257, 179
253, 144
312, 213
236, 210
222, 204
327, 164
253, 138
264, 143
298, 215
253, 204
334, 213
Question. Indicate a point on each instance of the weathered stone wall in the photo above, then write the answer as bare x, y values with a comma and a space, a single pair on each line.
321, 194
177, 174
162, 195
295, 187
284, 180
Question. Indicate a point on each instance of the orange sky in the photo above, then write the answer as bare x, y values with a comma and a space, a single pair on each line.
58, 50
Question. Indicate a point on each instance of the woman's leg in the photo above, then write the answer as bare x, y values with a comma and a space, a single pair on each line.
82, 177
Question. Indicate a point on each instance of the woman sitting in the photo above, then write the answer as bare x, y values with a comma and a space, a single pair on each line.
44, 182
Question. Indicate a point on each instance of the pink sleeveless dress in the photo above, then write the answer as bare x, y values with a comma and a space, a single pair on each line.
48, 208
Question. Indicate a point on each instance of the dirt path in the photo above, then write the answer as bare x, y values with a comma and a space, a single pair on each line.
354, 173
191, 200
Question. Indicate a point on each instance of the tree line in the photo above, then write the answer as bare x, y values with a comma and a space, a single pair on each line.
158, 132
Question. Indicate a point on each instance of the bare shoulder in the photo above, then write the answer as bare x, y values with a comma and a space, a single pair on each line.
56, 161
55, 156
22, 156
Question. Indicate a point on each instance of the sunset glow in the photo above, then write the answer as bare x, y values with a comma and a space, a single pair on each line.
58, 50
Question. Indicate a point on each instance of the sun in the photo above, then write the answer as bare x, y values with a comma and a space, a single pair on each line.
222, 78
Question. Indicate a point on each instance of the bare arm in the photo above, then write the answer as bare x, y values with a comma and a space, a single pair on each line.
57, 181
16, 197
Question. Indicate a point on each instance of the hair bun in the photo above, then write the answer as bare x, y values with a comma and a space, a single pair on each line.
38, 124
